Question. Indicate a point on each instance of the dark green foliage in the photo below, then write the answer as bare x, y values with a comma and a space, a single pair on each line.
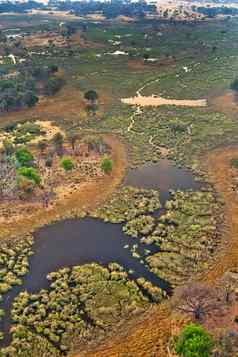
24, 157
234, 85
234, 163
53, 85
106, 165
91, 96
194, 341
67, 164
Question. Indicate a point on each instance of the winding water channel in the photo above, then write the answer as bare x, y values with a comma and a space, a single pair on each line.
73, 242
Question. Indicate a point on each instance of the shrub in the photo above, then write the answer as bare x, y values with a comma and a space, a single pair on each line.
91, 96
49, 161
67, 164
194, 341
24, 157
30, 173
234, 85
234, 163
53, 85
25, 185
29, 127
106, 165
8, 147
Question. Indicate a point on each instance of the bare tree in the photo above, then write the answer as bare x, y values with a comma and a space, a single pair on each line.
198, 300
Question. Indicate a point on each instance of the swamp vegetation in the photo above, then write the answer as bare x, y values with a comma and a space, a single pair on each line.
172, 241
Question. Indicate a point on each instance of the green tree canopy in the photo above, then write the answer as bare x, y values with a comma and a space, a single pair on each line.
91, 96
30, 173
194, 341
106, 165
67, 164
234, 85
24, 157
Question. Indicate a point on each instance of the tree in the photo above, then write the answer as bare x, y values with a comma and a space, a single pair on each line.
67, 164
24, 157
58, 141
146, 56
234, 85
194, 341
91, 96
8, 147
29, 99
42, 145
30, 173
53, 85
198, 300
106, 165
25, 185
73, 137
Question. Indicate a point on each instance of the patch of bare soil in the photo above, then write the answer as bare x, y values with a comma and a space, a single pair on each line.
125, 18
156, 101
226, 103
136, 65
43, 39
150, 337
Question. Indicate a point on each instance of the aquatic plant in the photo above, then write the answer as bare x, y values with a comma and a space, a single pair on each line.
81, 301
128, 203
186, 235
139, 225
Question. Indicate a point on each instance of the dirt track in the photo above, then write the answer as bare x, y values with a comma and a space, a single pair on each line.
150, 337
158, 101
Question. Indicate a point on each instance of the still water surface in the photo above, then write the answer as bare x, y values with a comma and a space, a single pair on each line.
74, 242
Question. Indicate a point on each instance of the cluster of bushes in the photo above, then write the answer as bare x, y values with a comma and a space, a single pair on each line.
195, 341
141, 225
213, 11
27, 175
14, 257
110, 9
128, 203
186, 235
23, 90
81, 301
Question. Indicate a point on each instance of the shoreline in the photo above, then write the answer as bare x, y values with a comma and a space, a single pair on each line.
150, 335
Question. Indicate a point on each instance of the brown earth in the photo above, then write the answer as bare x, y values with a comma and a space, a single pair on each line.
88, 196
150, 337
225, 103
157, 101
68, 100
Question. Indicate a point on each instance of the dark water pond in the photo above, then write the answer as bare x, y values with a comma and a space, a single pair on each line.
164, 176
74, 242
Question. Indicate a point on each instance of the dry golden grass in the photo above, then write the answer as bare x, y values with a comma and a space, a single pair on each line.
88, 196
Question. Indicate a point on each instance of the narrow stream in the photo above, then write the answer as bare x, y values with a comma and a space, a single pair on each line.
73, 242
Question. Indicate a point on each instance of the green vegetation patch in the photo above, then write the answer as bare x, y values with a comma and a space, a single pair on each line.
194, 341
80, 301
186, 234
127, 203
